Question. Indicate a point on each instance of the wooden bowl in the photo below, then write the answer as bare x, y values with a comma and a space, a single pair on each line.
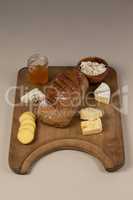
98, 78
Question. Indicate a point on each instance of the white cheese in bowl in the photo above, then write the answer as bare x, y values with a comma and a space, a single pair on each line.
92, 68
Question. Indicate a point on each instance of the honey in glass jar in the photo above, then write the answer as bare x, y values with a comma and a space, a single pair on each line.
38, 69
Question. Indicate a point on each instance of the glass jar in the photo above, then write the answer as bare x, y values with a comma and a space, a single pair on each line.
38, 69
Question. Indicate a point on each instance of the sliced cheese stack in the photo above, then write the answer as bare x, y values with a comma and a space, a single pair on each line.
27, 128
102, 93
92, 123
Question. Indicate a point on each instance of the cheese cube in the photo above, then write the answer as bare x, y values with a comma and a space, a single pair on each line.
91, 127
90, 113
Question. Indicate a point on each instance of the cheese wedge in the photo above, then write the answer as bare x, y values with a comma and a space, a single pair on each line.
102, 93
91, 127
33, 96
90, 113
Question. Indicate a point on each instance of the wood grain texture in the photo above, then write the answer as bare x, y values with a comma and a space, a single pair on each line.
107, 147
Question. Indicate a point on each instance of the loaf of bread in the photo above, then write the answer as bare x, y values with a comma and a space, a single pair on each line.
64, 96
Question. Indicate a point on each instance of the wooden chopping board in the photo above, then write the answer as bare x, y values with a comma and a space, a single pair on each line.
107, 147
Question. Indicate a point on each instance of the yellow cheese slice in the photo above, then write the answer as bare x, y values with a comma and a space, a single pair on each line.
28, 122
25, 115
26, 118
25, 136
27, 127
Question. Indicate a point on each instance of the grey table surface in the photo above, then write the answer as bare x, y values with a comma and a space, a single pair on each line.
65, 31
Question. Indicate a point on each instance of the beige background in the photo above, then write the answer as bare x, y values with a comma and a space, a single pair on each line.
65, 30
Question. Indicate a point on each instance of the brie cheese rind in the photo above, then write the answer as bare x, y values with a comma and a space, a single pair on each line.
90, 113
103, 93
91, 127
34, 96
